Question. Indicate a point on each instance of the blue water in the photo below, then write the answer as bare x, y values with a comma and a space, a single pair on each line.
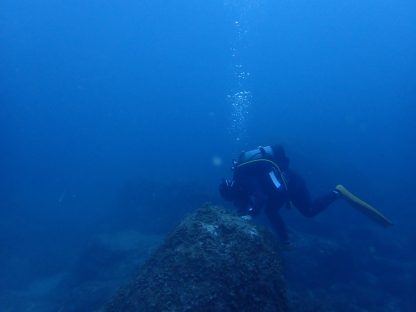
97, 95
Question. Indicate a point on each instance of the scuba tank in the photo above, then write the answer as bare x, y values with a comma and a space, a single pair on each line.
262, 152
263, 155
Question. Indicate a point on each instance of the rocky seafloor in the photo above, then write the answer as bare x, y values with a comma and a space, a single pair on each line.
216, 261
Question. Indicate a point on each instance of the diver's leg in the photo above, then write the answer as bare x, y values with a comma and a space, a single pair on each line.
300, 197
272, 213
311, 209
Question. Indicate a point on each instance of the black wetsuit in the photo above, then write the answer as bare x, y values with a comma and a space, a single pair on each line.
254, 191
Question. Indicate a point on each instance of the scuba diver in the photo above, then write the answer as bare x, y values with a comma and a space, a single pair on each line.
262, 180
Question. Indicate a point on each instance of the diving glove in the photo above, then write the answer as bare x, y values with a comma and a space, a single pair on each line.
226, 189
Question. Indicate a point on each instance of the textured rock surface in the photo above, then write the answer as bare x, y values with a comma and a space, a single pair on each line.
212, 261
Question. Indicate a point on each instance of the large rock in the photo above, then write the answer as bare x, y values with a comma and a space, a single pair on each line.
212, 261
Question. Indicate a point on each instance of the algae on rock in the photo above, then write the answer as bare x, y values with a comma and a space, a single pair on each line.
212, 261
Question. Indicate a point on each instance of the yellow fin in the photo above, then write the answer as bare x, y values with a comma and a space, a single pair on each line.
364, 207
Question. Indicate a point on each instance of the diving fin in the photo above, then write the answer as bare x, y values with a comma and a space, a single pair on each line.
365, 208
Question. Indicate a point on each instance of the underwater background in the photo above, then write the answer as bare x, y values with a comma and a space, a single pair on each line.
119, 117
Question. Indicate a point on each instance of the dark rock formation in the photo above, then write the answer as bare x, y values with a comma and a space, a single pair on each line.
212, 261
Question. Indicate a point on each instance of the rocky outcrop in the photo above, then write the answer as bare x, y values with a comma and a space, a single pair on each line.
212, 261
